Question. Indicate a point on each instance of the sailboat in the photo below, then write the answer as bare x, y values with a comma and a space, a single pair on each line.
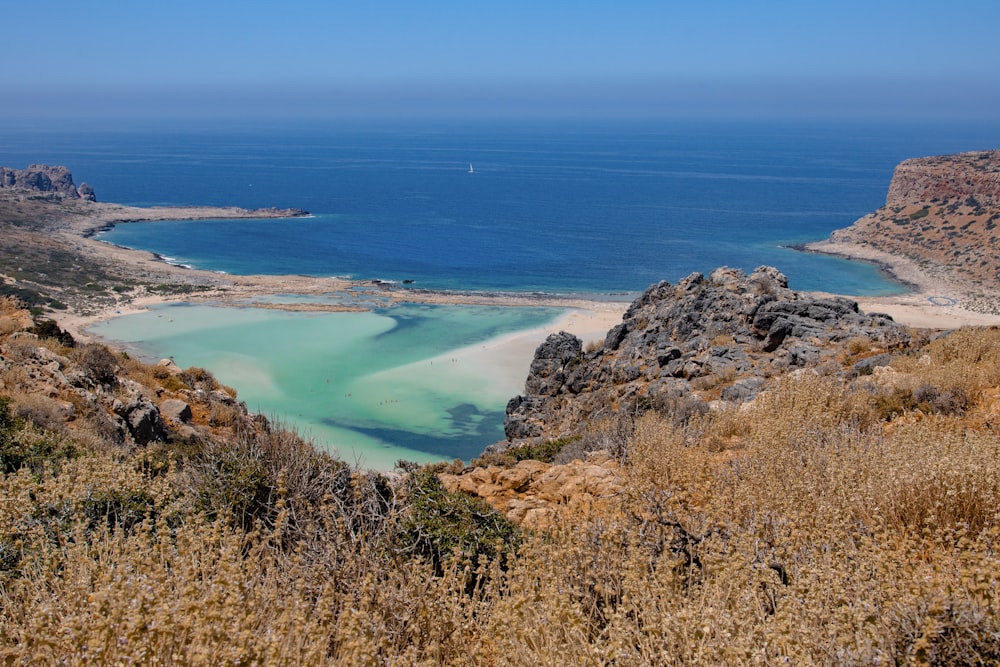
471, 170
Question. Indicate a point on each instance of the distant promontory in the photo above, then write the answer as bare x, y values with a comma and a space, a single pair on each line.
941, 211
942, 216
45, 178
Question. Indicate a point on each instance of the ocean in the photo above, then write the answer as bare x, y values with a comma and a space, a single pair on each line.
600, 210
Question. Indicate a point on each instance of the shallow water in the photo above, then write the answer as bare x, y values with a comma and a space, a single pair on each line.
373, 387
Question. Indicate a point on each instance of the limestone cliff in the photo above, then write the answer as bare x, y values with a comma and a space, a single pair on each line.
43, 178
943, 211
697, 342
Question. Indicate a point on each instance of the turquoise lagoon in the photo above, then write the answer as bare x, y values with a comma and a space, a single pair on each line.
373, 387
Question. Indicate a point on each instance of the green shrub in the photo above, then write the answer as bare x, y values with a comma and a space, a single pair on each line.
117, 509
543, 451
99, 363
440, 525
22, 446
49, 329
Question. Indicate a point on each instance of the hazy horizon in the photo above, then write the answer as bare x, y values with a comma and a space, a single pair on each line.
636, 60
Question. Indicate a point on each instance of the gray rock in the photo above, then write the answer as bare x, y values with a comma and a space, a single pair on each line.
145, 424
86, 192
40, 178
729, 324
176, 410
743, 390
866, 366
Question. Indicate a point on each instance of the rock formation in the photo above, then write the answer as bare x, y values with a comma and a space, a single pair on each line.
532, 493
43, 178
89, 386
941, 211
958, 176
704, 339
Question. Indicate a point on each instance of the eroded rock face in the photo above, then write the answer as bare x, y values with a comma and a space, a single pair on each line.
960, 176
943, 212
532, 493
45, 178
728, 331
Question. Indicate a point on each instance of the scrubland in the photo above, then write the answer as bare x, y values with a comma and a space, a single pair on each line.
834, 520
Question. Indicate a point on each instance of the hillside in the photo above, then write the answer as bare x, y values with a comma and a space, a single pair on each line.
738, 473
144, 512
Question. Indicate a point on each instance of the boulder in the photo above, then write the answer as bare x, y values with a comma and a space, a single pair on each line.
176, 410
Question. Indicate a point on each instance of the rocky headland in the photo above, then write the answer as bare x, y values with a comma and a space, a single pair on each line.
702, 341
41, 178
938, 229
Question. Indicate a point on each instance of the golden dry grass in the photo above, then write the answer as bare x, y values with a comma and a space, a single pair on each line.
810, 527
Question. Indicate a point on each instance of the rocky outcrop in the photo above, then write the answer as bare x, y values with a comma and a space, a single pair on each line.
87, 387
532, 493
941, 212
43, 178
704, 339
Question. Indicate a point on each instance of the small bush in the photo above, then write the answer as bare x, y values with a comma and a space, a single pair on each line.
945, 401
99, 363
42, 411
22, 446
198, 378
543, 451
440, 525
49, 329
119, 509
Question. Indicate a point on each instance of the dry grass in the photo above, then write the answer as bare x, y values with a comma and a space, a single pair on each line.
806, 528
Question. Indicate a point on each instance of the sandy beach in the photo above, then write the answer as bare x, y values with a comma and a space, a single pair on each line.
936, 298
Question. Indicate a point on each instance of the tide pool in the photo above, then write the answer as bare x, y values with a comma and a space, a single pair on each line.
372, 387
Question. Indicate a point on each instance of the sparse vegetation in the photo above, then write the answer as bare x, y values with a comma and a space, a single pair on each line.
835, 519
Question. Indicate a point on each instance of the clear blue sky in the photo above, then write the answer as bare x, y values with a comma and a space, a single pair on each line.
549, 58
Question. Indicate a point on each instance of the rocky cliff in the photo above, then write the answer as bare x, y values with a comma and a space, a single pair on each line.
958, 176
701, 341
941, 211
43, 178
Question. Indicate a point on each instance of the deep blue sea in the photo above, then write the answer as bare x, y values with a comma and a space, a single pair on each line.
566, 208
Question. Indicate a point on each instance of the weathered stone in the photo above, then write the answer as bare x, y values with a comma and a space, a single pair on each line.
144, 423
729, 326
176, 411
169, 366
867, 366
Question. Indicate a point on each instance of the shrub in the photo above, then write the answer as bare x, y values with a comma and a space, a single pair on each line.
198, 378
99, 363
543, 451
440, 525
120, 509
22, 446
49, 329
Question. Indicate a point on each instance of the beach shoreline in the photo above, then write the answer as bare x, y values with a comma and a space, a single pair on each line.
933, 298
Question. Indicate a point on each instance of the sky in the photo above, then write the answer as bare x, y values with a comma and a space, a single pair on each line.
545, 58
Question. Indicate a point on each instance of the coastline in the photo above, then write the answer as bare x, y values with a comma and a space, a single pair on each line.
82, 230
935, 297
915, 307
